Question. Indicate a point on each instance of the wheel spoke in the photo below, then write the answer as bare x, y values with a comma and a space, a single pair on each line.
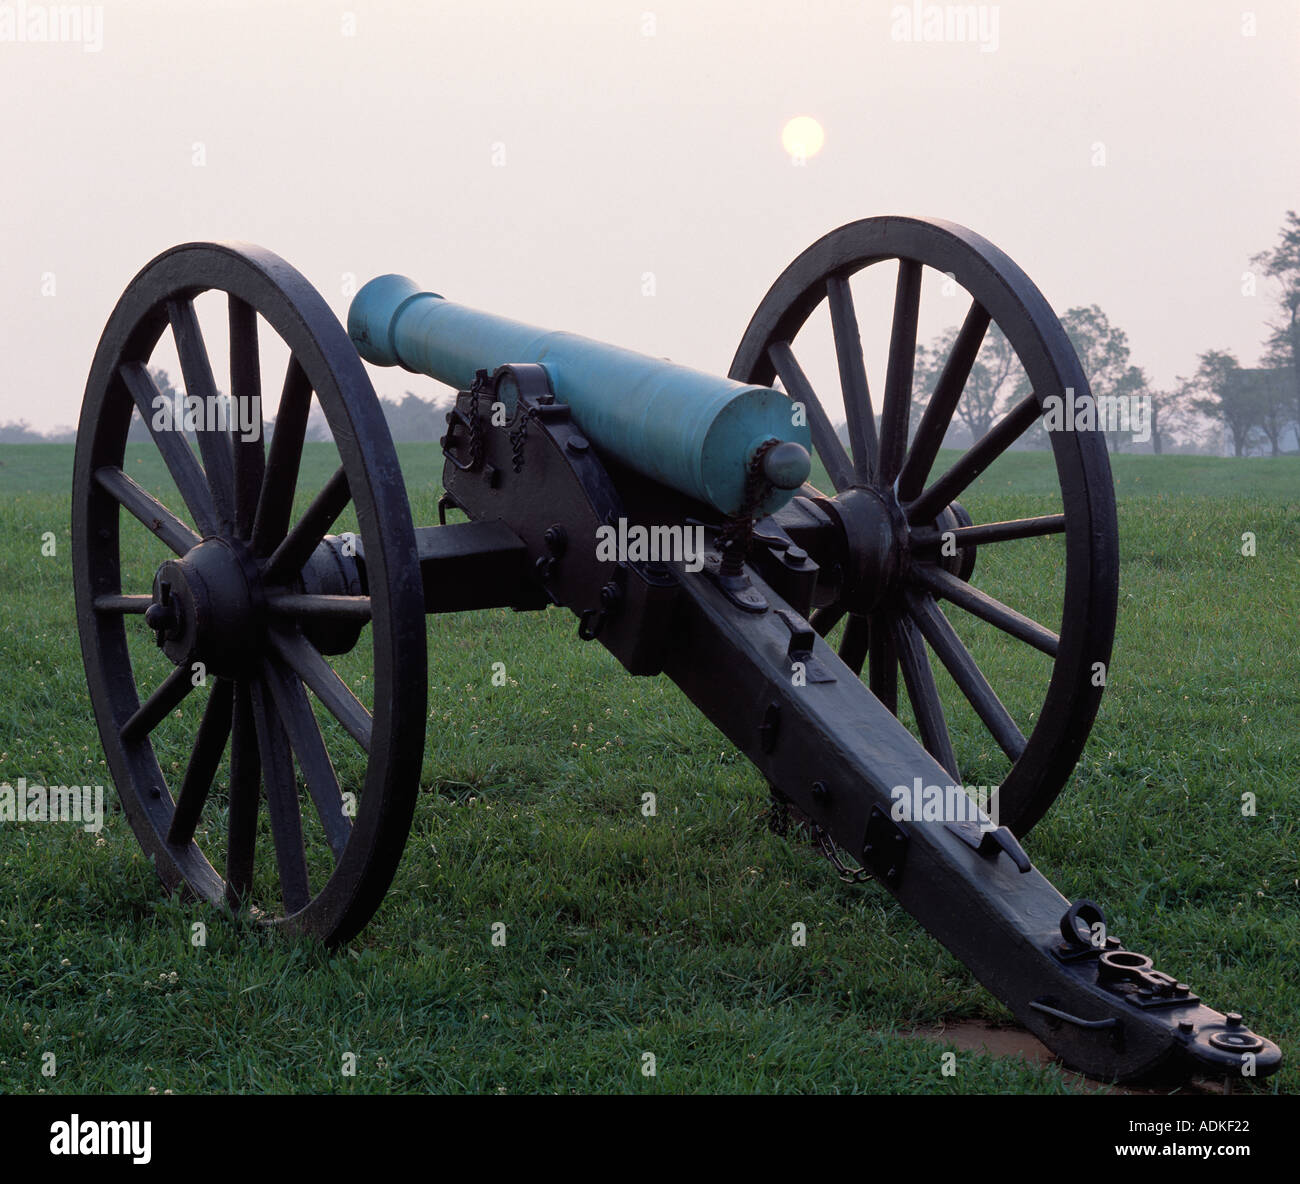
177, 455
280, 481
918, 678
214, 444
165, 699
291, 555
246, 398
853, 645
115, 602
825, 619
148, 509
281, 799
987, 608
320, 607
991, 532
331, 690
974, 461
896, 411
853, 378
202, 768
939, 411
943, 639
245, 787
824, 438
1000, 307
309, 747
882, 664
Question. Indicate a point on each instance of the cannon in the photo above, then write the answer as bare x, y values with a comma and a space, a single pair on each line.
671, 511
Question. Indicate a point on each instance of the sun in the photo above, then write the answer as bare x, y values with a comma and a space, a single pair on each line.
802, 137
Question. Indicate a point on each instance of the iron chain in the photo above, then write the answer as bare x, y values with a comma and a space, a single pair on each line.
518, 434
778, 822
736, 534
847, 873
476, 440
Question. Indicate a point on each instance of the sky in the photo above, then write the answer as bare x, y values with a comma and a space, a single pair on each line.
617, 169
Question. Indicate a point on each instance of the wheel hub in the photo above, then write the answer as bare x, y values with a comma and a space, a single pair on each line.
208, 607
878, 546
333, 570
875, 545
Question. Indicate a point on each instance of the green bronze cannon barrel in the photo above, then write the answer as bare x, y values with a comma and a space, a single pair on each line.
694, 432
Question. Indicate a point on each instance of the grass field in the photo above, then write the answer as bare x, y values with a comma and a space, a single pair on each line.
668, 935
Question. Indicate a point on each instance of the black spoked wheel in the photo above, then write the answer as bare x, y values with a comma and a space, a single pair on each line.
911, 544
211, 688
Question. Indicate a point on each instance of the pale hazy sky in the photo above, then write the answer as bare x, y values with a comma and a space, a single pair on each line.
359, 137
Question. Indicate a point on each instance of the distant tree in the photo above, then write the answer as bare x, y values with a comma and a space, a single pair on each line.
1202, 434
1274, 419
1163, 403
317, 430
19, 431
23, 433
139, 430
1132, 385
992, 379
163, 381
1104, 353
1220, 396
1173, 418
1276, 406
414, 418
1282, 347
1168, 413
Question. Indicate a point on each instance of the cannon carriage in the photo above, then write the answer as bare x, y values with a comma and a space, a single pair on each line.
557, 445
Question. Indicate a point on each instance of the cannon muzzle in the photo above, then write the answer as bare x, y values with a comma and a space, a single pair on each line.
695, 432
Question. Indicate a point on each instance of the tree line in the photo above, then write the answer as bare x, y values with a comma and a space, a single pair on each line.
410, 418
1256, 409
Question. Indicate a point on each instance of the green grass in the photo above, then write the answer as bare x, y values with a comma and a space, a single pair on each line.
669, 935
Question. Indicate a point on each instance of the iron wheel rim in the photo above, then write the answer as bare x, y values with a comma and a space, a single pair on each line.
998, 286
